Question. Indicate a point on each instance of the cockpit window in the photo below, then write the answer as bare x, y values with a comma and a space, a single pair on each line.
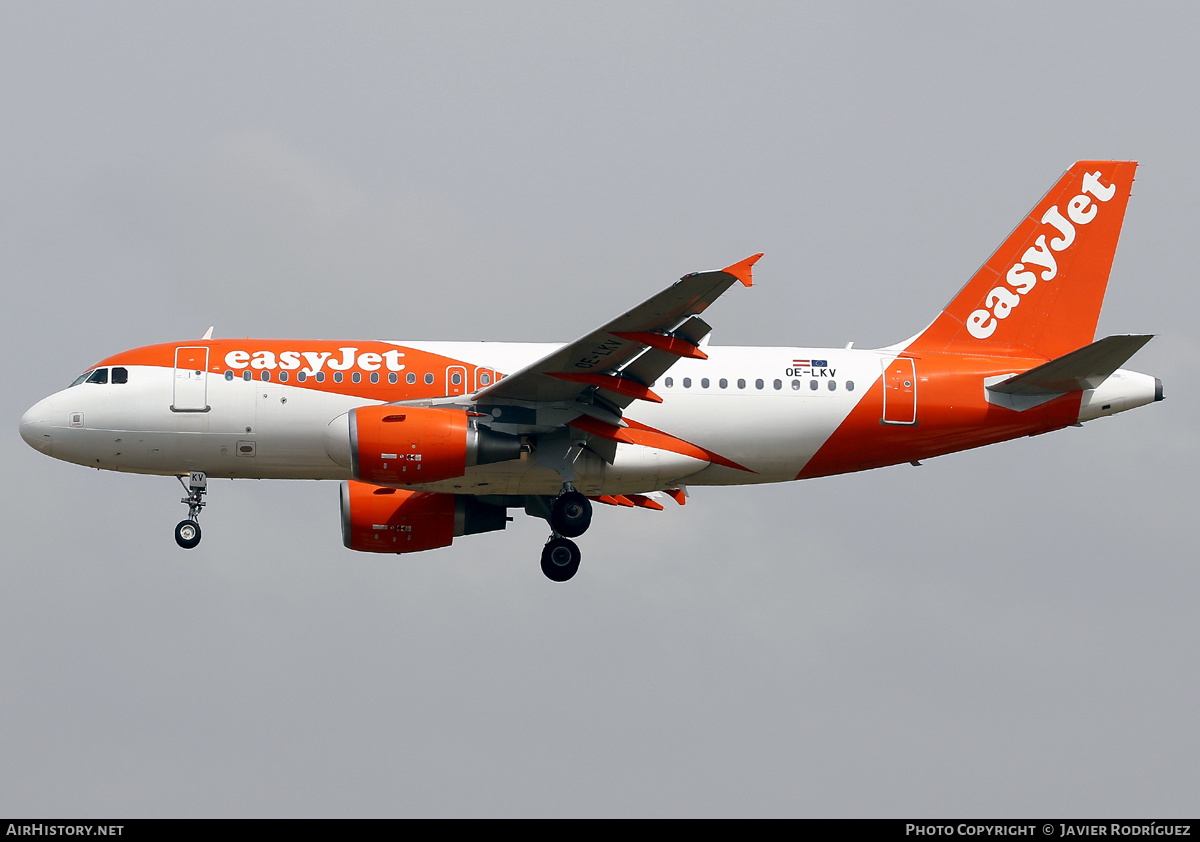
80, 379
120, 375
100, 375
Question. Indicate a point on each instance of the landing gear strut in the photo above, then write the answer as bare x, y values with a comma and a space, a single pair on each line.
187, 532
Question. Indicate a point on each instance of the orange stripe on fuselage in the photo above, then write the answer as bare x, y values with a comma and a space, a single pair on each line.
276, 356
952, 414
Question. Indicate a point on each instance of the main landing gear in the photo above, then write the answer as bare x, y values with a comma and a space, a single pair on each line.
570, 516
187, 532
560, 559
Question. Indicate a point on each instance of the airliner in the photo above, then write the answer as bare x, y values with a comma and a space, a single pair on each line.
436, 440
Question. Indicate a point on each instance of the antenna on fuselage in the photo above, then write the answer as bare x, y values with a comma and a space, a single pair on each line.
208, 333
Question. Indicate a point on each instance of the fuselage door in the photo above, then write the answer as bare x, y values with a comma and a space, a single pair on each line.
900, 391
191, 380
484, 377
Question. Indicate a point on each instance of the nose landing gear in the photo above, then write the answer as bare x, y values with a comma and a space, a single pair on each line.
187, 532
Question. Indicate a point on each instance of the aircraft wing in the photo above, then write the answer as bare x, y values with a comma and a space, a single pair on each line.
622, 358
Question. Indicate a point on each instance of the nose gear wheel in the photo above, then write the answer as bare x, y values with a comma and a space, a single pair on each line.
187, 534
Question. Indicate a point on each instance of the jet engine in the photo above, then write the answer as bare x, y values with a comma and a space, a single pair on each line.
391, 520
407, 445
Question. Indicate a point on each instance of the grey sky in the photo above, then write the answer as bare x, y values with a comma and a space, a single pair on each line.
1010, 631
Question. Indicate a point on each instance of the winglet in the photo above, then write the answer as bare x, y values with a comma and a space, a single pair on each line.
741, 270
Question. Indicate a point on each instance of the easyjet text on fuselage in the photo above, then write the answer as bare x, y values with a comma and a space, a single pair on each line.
344, 359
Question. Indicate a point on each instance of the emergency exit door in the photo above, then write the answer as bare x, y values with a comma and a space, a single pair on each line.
900, 391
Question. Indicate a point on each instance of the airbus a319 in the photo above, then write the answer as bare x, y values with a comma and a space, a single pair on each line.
436, 440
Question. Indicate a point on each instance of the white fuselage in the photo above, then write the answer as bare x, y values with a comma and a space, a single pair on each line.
766, 410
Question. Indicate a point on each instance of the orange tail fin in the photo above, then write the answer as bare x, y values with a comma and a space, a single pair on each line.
1040, 293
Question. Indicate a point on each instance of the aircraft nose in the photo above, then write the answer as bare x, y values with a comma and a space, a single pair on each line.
35, 427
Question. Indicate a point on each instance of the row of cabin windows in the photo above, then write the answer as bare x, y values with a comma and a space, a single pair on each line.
120, 375
356, 377
813, 385
100, 375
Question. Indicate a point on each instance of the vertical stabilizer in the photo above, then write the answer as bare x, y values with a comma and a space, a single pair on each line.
1040, 293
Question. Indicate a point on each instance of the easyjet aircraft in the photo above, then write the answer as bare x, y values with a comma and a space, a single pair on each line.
434, 440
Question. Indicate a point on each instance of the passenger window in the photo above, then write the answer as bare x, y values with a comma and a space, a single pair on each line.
758, 384
374, 376
121, 375
428, 379
301, 376
741, 383
670, 381
320, 377
265, 376
356, 377
704, 383
778, 384
687, 382
410, 378
283, 377
228, 374
337, 377
795, 384
812, 384
723, 383
849, 385
485, 379
455, 378
100, 375
246, 375
393, 377
832, 385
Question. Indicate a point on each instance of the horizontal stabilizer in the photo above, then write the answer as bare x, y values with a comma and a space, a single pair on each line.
1085, 368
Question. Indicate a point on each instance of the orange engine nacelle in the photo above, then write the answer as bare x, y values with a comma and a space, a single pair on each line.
407, 445
390, 520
